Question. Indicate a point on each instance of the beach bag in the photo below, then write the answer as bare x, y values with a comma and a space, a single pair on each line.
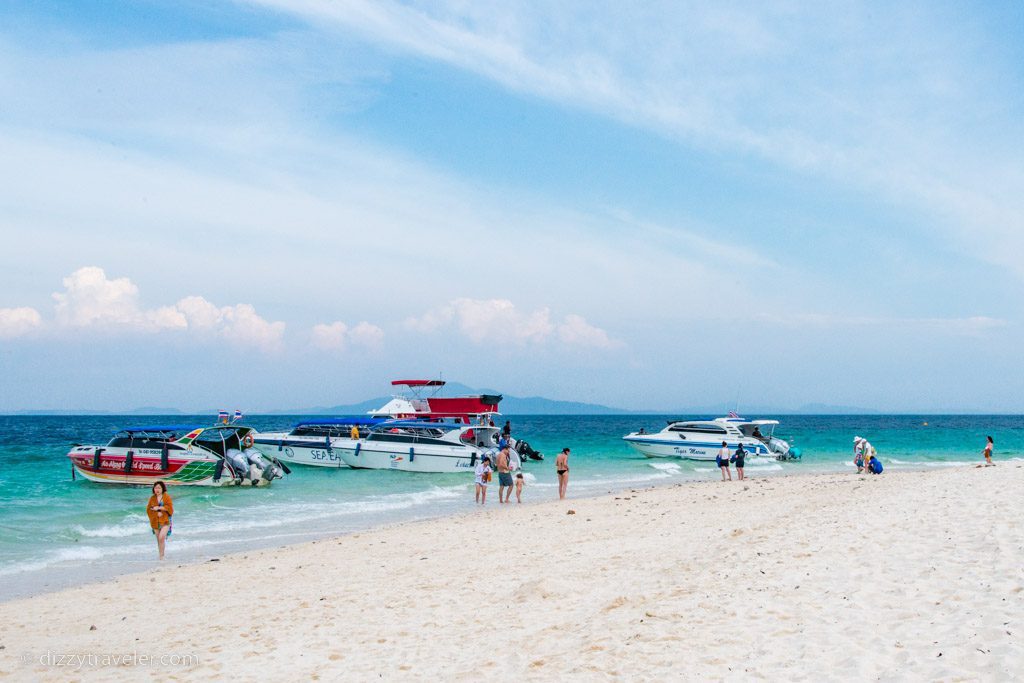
486, 477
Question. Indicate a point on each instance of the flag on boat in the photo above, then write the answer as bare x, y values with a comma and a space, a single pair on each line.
238, 416
222, 416
732, 413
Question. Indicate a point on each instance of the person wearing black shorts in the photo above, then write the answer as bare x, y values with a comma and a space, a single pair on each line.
738, 460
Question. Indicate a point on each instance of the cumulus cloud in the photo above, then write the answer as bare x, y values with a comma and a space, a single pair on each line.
499, 321
90, 298
337, 336
15, 322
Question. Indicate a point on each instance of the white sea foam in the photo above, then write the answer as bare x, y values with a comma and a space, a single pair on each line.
131, 526
664, 466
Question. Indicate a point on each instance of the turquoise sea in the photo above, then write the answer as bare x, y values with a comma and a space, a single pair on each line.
56, 532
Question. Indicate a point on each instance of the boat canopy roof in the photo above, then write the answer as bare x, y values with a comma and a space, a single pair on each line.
161, 429
354, 421
423, 424
417, 383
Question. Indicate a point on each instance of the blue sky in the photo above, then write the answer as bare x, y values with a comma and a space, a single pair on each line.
287, 203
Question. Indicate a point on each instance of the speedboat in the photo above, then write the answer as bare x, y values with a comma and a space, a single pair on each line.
221, 455
316, 442
421, 400
702, 439
423, 446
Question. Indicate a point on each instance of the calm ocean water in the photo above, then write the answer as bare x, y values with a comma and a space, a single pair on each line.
56, 532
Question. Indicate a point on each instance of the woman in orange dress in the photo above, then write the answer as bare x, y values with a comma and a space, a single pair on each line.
160, 508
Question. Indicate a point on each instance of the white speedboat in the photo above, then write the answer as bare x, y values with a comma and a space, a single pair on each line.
221, 455
422, 446
316, 442
702, 439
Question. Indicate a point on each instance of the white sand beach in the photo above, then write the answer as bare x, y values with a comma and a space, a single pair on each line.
903, 576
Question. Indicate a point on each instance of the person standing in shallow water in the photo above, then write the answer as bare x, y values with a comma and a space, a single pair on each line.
989, 445
562, 468
159, 510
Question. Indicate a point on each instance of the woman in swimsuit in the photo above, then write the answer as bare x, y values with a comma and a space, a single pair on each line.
988, 451
562, 468
159, 509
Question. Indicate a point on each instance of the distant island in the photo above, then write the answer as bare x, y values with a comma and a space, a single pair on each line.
510, 405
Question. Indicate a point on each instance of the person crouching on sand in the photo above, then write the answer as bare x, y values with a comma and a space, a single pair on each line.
562, 468
483, 475
989, 445
159, 509
723, 461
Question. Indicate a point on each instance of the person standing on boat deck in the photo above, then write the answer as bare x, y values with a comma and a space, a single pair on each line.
562, 468
159, 510
504, 477
482, 476
506, 431
723, 461
738, 459
355, 432
989, 445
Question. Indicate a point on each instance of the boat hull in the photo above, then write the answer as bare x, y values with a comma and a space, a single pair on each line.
147, 469
654, 447
316, 452
418, 458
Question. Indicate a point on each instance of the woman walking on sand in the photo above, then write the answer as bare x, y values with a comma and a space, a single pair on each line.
562, 468
723, 461
159, 509
989, 445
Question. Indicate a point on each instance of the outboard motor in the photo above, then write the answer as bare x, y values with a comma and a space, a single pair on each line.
266, 470
239, 463
528, 451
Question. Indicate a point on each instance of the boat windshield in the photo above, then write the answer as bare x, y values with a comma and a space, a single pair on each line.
758, 430
148, 437
221, 439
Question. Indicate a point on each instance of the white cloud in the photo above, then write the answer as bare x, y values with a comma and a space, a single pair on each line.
239, 324
499, 321
332, 337
576, 331
15, 322
367, 335
90, 299
337, 336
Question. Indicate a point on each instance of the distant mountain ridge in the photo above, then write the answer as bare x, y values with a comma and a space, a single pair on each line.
510, 405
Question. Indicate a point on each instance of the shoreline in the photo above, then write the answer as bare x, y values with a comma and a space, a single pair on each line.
626, 581
34, 582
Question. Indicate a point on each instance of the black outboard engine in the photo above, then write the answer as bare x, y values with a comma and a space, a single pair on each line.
528, 451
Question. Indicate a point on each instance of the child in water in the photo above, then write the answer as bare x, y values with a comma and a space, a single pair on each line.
519, 487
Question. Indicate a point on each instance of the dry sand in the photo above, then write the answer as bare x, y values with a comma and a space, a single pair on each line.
912, 576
